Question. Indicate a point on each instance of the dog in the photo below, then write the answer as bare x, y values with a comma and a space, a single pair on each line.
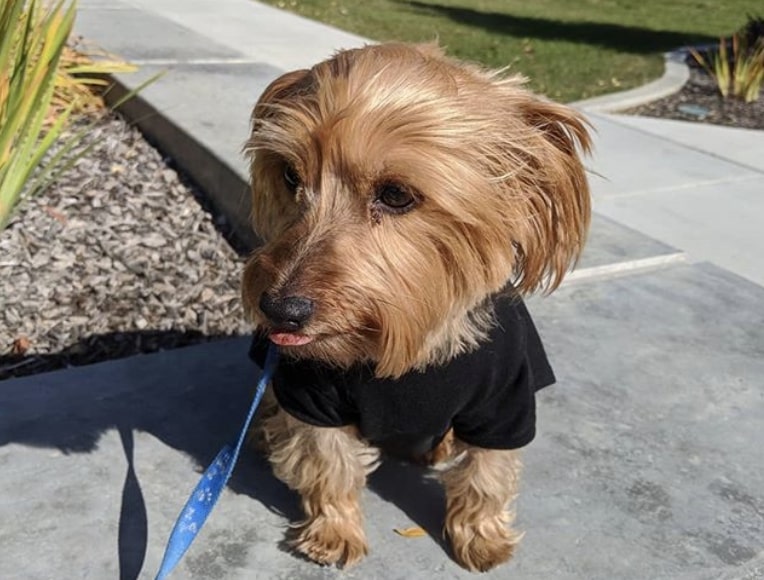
406, 202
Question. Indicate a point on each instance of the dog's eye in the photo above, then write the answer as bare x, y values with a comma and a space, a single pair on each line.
291, 178
395, 198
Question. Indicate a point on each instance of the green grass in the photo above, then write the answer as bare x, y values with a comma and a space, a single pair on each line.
570, 49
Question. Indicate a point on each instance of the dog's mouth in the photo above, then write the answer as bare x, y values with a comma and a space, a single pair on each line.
289, 338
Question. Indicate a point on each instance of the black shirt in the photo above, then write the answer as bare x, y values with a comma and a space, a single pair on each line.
486, 395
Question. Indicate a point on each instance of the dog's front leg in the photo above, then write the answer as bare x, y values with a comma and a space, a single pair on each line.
480, 487
328, 468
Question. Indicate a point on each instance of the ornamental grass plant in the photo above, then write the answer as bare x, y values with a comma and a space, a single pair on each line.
44, 84
32, 39
737, 67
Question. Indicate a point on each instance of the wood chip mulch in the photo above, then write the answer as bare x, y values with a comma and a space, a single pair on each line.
119, 257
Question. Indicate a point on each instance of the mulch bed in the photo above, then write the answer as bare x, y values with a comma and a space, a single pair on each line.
118, 258
699, 100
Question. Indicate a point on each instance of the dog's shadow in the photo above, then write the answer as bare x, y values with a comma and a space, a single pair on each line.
416, 492
192, 400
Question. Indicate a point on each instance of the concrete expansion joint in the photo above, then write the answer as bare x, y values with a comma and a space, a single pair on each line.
627, 268
689, 186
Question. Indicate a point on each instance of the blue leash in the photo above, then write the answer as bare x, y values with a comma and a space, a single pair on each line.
208, 490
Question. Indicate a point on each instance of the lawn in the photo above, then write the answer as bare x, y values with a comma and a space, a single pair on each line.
570, 49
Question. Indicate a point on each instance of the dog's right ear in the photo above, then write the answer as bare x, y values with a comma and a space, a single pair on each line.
283, 88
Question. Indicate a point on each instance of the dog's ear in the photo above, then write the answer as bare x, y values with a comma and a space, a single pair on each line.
282, 89
551, 184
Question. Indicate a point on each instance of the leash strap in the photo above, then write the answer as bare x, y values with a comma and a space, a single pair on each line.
213, 480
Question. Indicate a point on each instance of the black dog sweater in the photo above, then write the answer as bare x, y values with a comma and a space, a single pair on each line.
486, 395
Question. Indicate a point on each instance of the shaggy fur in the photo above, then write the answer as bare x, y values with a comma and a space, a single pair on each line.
496, 194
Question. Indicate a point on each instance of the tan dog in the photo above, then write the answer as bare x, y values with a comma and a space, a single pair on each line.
406, 201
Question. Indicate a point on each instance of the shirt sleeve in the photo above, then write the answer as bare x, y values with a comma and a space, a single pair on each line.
501, 412
503, 418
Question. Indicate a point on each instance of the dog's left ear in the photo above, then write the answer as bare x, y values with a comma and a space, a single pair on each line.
548, 179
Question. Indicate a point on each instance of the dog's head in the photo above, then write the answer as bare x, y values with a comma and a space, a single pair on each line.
394, 190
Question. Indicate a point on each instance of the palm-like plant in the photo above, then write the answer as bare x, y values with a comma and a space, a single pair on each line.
32, 39
740, 73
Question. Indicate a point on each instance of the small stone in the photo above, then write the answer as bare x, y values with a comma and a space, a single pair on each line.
153, 241
20, 346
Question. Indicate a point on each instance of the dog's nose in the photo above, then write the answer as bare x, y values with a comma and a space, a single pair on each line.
290, 313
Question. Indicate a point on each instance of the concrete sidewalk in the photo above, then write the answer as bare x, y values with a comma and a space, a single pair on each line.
646, 464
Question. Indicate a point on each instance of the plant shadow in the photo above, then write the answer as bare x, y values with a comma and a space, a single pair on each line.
186, 398
193, 401
415, 491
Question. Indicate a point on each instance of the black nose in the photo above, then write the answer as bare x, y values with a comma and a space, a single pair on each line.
290, 313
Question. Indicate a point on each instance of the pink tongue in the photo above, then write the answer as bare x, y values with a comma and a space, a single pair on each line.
289, 339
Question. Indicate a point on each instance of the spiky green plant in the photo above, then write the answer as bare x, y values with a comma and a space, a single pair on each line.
719, 68
82, 77
739, 74
32, 38
749, 72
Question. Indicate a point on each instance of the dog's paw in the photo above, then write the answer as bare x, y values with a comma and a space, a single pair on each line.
480, 548
331, 541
